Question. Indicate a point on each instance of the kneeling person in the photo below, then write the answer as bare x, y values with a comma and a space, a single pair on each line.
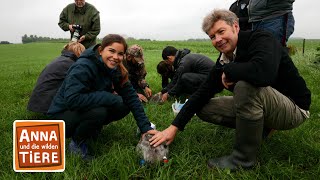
52, 76
86, 101
134, 62
268, 91
188, 71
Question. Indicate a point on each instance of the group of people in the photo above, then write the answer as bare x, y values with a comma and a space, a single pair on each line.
92, 87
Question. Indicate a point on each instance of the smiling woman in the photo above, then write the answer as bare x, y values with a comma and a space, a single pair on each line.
112, 55
95, 92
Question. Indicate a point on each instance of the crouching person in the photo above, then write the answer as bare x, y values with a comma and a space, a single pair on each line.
52, 76
134, 63
86, 100
268, 92
187, 72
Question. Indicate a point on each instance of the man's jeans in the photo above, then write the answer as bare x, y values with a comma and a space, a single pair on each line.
277, 26
252, 103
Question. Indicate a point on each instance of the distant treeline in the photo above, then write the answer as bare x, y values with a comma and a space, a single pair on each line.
35, 38
193, 39
5, 42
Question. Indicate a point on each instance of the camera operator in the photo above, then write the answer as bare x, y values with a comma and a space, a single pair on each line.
84, 15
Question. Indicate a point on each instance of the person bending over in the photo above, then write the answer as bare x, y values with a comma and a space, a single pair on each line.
52, 76
189, 70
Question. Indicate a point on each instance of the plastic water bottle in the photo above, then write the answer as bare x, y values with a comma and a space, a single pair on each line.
178, 105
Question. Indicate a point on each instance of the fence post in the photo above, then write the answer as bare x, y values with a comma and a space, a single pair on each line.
304, 42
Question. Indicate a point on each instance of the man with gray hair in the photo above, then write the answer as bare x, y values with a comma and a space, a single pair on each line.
268, 91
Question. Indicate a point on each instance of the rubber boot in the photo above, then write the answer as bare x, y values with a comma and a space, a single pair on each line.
247, 143
81, 149
267, 133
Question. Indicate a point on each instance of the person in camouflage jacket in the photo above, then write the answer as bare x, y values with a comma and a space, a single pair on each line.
134, 62
84, 14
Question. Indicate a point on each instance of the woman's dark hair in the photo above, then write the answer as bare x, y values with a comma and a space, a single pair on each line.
168, 51
164, 69
115, 38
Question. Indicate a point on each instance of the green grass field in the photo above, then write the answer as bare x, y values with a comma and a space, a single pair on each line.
292, 154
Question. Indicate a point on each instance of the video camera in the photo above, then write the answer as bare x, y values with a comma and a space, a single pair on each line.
76, 34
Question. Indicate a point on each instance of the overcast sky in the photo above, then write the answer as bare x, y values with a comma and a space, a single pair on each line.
152, 19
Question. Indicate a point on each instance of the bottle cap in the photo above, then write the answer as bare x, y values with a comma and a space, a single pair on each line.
165, 160
142, 162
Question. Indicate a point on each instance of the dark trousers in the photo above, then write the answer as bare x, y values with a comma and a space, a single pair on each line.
82, 125
189, 83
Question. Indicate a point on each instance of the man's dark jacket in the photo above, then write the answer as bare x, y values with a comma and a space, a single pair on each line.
186, 62
261, 61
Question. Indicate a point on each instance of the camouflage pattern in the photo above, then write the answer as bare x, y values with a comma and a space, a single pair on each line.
134, 62
137, 52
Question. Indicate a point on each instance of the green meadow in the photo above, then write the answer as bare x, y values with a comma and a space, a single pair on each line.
291, 154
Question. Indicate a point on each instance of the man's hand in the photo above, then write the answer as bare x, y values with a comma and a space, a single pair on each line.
82, 38
148, 92
70, 28
226, 83
142, 97
164, 97
152, 131
165, 135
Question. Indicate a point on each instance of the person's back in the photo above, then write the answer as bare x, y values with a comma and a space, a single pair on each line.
196, 63
240, 8
267, 9
52, 77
